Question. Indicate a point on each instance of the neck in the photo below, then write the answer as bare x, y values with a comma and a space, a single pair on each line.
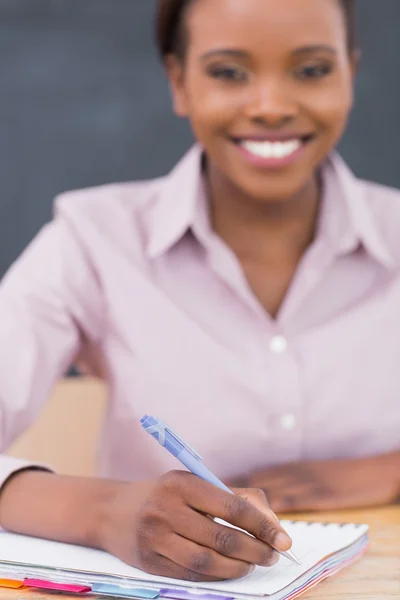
258, 230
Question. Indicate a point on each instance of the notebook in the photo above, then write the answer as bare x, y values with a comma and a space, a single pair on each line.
323, 550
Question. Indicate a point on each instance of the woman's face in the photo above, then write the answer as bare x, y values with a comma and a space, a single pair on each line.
267, 86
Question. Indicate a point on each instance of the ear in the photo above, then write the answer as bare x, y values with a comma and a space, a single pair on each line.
355, 61
176, 76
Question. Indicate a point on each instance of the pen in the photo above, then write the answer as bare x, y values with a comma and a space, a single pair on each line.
189, 458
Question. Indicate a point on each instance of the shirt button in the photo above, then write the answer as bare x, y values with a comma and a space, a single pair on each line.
288, 422
278, 344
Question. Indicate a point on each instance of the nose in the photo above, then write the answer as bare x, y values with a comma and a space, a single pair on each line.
271, 103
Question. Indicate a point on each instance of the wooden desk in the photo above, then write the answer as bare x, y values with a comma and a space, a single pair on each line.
376, 576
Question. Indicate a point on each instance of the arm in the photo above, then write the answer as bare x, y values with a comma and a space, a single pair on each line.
43, 315
49, 301
66, 509
331, 484
159, 526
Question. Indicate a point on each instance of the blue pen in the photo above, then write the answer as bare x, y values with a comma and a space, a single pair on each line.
190, 458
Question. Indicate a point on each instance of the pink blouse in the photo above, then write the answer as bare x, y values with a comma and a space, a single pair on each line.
130, 277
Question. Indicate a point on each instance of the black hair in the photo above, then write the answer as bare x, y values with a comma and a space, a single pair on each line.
171, 38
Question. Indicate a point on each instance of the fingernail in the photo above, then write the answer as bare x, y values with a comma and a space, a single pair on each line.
275, 558
272, 560
252, 569
282, 541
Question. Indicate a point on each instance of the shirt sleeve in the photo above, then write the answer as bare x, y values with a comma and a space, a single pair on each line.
49, 301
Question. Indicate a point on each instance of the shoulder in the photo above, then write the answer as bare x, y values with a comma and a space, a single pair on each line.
378, 194
127, 216
114, 213
131, 198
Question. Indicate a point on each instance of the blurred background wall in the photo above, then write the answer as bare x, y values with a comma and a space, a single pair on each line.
84, 101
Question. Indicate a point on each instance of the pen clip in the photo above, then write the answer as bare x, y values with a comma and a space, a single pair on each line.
187, 446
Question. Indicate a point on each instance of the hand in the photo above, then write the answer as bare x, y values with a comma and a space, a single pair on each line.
166, 527
330, 484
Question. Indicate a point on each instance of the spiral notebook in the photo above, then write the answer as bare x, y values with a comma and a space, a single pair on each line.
323, 550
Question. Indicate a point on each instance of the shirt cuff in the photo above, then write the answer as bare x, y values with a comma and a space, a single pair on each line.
9, 466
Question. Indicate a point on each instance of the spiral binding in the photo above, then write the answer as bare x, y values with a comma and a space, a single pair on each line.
308, 523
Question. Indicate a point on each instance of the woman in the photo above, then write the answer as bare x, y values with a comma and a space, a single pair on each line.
249, 299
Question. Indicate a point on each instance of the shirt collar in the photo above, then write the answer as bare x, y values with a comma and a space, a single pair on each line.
174, 209
346, 219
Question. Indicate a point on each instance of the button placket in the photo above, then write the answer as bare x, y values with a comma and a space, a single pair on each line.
285, 397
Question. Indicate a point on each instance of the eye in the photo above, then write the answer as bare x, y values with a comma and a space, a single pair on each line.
314, 71
233, 74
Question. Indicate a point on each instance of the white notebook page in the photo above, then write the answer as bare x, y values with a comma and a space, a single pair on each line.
311, 543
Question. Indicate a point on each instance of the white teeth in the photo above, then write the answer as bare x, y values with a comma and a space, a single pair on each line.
272, 149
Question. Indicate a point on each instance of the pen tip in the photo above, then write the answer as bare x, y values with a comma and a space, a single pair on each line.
293, 557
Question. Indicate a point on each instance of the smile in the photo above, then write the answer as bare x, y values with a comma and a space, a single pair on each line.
272, 149
272, 154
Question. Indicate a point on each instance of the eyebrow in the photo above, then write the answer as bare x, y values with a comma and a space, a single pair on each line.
315, 48
225, 52
236, 53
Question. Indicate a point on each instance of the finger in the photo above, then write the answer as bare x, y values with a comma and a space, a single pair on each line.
238, 511
226, 541
256, 496
203, 561
158, 564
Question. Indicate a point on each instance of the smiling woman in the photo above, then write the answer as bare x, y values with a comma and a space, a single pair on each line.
268, 97
278, 96
249, 299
